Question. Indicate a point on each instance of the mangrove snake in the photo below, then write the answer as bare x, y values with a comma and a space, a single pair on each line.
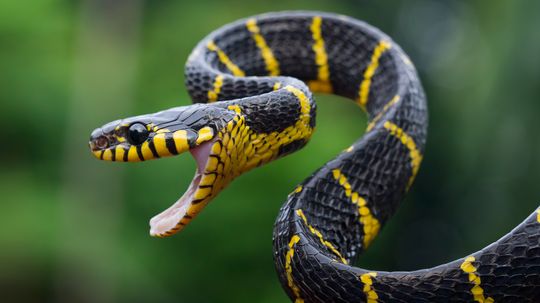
258, 69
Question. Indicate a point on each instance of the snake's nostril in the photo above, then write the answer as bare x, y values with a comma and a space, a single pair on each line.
101, 142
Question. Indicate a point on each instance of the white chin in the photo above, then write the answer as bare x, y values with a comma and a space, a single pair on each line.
168, 220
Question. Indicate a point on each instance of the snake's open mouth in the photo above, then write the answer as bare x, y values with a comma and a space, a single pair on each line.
174, 218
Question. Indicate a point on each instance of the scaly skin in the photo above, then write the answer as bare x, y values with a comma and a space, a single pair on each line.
253, 67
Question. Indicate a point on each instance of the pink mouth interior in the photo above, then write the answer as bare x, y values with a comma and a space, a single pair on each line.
169, 218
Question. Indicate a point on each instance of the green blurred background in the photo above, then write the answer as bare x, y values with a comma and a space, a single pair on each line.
74, 229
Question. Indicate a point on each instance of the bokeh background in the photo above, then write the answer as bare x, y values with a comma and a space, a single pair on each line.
74, 229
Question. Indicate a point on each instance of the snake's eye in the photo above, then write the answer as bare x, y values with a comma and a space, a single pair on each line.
137, 134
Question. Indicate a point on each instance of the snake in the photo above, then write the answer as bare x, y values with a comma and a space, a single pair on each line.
252, 84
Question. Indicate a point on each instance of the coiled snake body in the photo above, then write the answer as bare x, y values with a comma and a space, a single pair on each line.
258, 69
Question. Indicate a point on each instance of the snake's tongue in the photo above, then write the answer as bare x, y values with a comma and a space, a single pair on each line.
168, 222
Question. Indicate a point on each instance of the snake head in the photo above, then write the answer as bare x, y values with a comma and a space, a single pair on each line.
158, 135
190, 128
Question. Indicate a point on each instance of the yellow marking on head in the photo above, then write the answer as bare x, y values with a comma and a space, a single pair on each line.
133, 156
107, 155
211, 164
305, 107
538, 215
180, 140
162, 130
314, 231
119, 153
288, 268
97, 153
414, 153
120, 139
367, 279
202, 193
477, 290
207, 179
387, 106
370, 224
272, 65
235, 108
225, 59
363, 92
146, 151
298, 189
277, 85
213, 94
216, 148
206, 133
322, 84
160, 143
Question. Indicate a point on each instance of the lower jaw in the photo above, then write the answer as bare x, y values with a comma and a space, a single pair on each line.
172, 220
